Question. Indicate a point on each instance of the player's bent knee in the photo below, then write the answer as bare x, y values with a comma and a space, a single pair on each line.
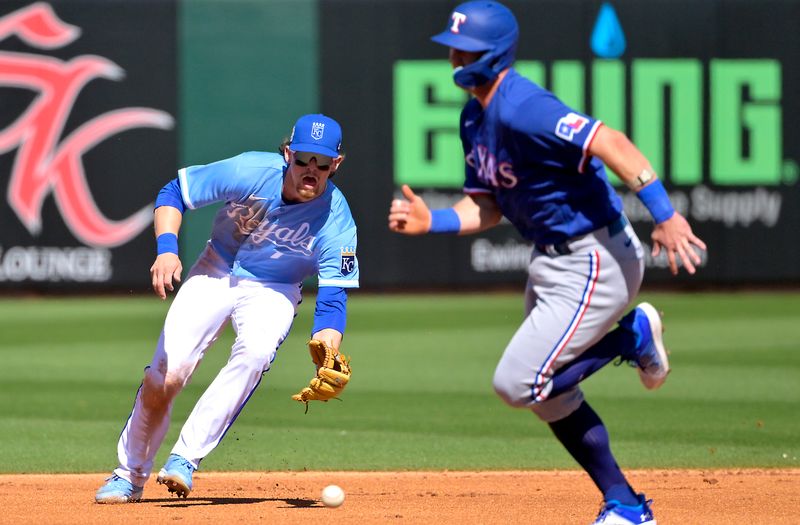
173, 385
254, 359
558, 407
159, 389
153, 391
255, 367
514, 394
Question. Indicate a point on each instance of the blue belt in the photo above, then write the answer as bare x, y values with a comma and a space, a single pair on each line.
554, 250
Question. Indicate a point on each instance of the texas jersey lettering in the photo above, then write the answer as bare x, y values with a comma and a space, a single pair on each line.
536, 143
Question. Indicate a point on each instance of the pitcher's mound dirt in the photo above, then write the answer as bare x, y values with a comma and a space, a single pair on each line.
683, 497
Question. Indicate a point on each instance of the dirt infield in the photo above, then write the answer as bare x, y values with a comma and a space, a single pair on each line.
563, 497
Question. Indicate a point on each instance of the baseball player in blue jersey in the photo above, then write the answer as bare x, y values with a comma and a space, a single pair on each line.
540, 164
283, 220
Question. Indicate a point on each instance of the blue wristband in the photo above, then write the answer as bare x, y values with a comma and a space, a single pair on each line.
445, 221
167, 243
656, 200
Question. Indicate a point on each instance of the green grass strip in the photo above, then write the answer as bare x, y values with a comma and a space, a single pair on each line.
421, 394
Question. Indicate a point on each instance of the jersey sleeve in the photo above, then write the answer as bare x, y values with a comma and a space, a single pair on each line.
338, 264
220, 181
559, 132
170, 195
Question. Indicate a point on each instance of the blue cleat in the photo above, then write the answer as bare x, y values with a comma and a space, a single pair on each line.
118, 490
177, 475
615, 513
650, 356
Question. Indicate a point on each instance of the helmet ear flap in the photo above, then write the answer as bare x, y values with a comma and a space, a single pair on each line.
476, 74
489, 66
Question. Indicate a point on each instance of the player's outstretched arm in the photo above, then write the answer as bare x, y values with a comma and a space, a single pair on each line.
676, 238
329, 336
167, 268
472, 214
672, 232
409, 215
477, 212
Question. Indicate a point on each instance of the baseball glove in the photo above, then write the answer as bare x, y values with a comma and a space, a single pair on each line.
333, 374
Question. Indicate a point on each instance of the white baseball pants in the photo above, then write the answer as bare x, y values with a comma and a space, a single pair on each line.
261, 315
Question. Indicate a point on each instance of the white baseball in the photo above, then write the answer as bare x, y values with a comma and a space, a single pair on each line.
332, 496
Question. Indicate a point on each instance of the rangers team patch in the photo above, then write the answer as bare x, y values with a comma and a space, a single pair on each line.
348, 260
568, 126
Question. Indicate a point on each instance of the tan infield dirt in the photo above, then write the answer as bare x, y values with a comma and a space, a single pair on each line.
686, 497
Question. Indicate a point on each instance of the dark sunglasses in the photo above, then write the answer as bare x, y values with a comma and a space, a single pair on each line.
303, 159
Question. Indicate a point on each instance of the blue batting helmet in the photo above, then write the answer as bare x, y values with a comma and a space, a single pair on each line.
481, 25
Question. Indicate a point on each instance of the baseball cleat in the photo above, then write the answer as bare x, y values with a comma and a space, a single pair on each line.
615, 513
177, 475
651, 356
118, 490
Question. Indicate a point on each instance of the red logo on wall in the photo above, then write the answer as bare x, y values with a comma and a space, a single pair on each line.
47, 162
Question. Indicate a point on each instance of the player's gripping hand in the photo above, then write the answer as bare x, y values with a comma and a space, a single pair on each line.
675, 237
410, 215
164, 271
333, 374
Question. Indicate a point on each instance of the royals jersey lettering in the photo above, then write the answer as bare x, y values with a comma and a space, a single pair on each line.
264, 238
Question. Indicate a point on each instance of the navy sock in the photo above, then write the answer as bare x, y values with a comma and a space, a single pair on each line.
612, 345
622, 493
585, 437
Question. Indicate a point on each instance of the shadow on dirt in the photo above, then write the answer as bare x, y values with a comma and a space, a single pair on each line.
196, 502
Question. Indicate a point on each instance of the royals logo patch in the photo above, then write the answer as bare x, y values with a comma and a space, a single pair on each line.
317, 129
348, 260
568, 126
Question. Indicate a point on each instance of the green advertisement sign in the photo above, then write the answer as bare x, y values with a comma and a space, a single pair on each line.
669, 100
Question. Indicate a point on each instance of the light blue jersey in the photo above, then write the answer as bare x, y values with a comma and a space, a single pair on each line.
262, 237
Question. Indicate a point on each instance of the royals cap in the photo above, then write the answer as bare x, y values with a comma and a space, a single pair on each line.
317, 133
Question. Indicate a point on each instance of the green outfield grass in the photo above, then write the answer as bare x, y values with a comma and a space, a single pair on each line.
421, 395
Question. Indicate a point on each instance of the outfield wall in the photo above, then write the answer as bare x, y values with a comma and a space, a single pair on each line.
101, 102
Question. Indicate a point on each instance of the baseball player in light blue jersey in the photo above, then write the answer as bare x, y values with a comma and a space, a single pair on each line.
283, 220
540, 164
